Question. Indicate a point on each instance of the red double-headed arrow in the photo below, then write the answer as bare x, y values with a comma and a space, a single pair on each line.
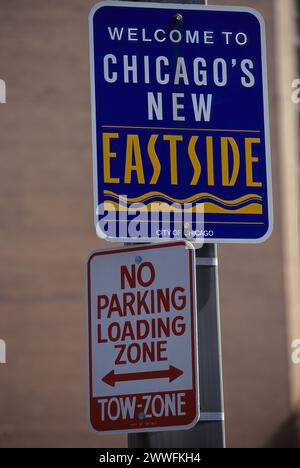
172, 373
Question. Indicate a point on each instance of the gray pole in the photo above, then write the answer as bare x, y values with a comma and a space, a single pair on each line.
209, 431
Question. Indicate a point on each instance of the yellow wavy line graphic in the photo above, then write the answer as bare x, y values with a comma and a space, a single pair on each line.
197, 197
163, 207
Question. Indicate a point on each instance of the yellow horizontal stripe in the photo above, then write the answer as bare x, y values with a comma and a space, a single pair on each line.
183, 129
173, 222
253, 208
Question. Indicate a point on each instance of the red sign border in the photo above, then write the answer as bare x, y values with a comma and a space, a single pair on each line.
195, 377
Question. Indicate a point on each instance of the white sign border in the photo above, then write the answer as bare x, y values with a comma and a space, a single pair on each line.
181, 6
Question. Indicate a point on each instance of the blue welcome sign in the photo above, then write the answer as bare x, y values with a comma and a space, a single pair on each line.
180, 123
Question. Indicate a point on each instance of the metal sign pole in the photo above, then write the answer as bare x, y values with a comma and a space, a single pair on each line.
209, 431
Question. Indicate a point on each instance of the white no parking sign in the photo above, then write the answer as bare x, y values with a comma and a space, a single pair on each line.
142, 338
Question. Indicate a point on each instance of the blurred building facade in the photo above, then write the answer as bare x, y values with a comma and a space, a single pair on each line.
262, 327
46, 232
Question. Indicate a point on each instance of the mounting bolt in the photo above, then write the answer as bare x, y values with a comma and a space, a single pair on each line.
138, 259
178, 18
